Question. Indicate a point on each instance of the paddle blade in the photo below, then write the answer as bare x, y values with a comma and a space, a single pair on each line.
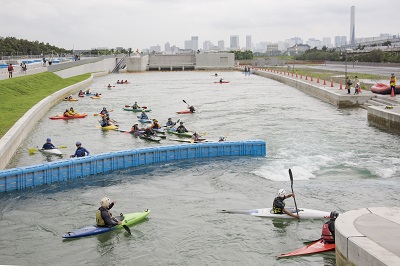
184, 101
32, 150
127, 105
291, 176
95, 114
62, 147
127, 229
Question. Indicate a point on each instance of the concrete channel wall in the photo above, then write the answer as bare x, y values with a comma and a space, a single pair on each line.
30, 176
319, 92
382, 117
21, 129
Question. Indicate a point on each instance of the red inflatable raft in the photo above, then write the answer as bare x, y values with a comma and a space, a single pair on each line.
67, 117
381, 88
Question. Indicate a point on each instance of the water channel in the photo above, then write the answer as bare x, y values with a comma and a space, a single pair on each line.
339, 162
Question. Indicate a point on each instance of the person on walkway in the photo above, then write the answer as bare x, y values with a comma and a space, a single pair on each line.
393, 83
328, 229
10, 70
80, 151
279, 204
48, 145
181, 128
143, 115
357, 85
348, 84
104, 217
170, 123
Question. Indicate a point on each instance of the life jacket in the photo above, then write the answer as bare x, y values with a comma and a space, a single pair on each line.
392, 81
156, 126
278, 209
326, 234
99, 219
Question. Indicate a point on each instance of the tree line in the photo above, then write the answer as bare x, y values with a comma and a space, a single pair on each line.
12, 46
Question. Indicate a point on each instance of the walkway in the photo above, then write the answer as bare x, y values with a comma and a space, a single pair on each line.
368, 236
17, 73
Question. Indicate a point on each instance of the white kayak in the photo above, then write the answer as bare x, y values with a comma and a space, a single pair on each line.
51, 151
267, 212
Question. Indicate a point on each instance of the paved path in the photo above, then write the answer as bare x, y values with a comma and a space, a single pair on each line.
17, 73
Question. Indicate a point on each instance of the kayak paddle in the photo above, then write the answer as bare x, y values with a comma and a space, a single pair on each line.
127, 229
186, 103
291, 184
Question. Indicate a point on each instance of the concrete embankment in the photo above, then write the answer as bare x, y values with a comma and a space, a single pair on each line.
368, 236
381, 116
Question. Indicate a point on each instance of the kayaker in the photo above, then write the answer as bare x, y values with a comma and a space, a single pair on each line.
135, 106
72, 111
48, 145
170, 123
143, 115
149, 131
105, 122
66, 113
109, 85
220, 81
97, 94
126, 81
80, 151
393, 83
221, 139
80, 93
216, 74
279, 204
87, 91
118, 82
195, 136
104, 112
155, 124
104, 217
135, 128
181, 128
191, 109
328, 229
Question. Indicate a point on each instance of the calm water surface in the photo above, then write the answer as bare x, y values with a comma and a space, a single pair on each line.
339, 162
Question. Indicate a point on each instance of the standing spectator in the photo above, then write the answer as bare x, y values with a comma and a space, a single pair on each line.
348, 84
44, 61
357, 84
21, 70
24, 68
10, 70
393, 83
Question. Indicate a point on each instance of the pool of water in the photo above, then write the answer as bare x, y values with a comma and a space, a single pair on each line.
339, 162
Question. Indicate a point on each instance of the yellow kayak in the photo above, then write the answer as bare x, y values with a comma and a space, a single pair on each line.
70, 100
110, 127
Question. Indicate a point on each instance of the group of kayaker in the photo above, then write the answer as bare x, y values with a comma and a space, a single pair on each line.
80, 151
328, 229
122, 82
105, 118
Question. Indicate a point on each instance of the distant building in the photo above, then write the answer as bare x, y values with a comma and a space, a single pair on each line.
156, 48
167, 47
234, 42
195, 43
221, 45
248, 43
207, 45
326, 41
352, 26
188, 45
293, 41
273, 49
314, 43
343, 40
298, 49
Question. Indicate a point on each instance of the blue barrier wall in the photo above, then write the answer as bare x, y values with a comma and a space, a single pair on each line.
30, 176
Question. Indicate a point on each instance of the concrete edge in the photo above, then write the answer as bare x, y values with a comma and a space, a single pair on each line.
10, 142
354, 248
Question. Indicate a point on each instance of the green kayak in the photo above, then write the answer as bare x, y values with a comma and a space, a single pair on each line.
136, 110
185, 134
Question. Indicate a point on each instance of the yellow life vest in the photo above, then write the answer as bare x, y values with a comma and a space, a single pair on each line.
99, 219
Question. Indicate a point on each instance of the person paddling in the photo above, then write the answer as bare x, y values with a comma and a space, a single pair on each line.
143, 115
170, 123
328, 229
104, 217
135, 128
191, 109
135, 106
80, 151
220, 81
48, 145
279, 204
181, 128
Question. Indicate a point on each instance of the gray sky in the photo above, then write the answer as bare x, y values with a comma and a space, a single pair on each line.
86, 24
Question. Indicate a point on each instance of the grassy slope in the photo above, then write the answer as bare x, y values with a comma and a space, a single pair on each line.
19, 94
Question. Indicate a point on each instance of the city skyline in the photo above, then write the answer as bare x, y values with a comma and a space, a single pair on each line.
142, 24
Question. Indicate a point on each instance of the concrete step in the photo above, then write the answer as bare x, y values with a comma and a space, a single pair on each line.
374, 102
386, 100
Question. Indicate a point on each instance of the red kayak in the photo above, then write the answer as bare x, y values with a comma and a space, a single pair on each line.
381, 88
315, 247
221, 82
184, 112
67, 117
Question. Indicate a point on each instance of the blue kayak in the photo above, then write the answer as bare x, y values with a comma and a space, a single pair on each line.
127, 220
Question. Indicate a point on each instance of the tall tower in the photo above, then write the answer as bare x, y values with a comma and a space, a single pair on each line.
248, 42
234, 44
352, 27
195, 43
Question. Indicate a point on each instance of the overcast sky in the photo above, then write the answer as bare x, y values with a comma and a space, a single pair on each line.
86, 24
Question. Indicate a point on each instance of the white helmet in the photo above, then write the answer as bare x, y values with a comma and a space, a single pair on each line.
105, 202
281, 193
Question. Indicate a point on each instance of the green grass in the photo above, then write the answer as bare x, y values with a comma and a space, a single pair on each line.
19, 94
